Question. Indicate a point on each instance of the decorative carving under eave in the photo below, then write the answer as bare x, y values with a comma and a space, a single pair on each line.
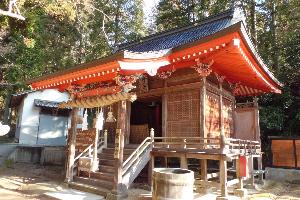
220, 78
165, 74
235, 88
126, 82
142, 85
203, 69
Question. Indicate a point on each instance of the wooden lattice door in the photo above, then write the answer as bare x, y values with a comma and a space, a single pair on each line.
183, 114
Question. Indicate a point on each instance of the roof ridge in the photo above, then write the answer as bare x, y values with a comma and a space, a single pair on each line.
206, 20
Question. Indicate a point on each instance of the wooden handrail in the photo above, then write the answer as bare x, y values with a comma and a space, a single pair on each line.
188, 138
136, 151
133, 159
225, 143
82, 153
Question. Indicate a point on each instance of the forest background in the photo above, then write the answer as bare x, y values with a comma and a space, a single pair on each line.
60, 34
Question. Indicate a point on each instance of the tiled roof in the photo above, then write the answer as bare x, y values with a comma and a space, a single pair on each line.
176, 37
47, 104
22, 93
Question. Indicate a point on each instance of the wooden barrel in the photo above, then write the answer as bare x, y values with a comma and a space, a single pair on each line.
172, 183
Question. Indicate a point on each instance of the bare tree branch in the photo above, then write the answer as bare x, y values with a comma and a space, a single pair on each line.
11, 7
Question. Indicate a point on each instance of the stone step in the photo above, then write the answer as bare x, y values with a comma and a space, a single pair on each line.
94, 182
89, 188
107, 169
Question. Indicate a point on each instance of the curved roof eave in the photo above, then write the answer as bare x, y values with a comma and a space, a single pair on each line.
240, 28
256, 55
107, 59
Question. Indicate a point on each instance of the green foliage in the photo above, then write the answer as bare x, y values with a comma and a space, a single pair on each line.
60, 34
176, 13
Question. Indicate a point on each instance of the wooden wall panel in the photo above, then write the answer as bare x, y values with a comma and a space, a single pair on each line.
244, 125
283, 153
228, 117
212, 120
297, 143
183, 119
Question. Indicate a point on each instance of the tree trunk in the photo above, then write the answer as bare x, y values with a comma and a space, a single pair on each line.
253, 21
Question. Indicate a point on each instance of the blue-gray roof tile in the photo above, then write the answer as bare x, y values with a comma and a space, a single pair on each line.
177, 37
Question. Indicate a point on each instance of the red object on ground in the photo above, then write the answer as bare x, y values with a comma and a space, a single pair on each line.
243, 166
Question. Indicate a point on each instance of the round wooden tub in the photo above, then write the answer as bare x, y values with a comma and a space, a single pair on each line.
172, 183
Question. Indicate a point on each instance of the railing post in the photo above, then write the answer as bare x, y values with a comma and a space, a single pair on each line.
105, 138
95, 152
90, 152
152, 137
223, 144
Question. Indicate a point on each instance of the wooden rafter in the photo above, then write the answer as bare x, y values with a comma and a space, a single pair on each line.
13, 10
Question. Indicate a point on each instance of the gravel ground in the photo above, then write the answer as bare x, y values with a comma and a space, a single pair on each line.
27, 181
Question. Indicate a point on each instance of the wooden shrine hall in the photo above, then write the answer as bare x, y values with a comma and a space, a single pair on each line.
168, 95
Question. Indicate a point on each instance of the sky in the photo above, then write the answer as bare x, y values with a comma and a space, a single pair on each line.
148, 6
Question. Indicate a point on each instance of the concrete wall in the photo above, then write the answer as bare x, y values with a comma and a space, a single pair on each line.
280, 174
29, 115
5, 151
39, 154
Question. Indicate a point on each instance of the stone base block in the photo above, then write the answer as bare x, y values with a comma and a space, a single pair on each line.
116, 196
240, 193
221, 198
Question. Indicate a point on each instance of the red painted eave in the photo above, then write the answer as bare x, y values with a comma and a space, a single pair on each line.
231, 50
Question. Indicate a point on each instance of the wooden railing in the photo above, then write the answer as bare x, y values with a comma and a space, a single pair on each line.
98, 145
220, 143
244, 146
186, 142
136, 154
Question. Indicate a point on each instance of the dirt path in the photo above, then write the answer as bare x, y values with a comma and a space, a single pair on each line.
27, 181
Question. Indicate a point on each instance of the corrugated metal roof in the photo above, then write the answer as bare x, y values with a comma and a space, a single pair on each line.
177, 37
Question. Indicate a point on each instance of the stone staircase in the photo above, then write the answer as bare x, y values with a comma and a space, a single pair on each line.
101, 181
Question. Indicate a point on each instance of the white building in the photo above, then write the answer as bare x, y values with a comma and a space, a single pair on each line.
39, 121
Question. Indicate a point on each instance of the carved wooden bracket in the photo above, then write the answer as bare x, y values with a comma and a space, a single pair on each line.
166, 74
126, 82
235, 87
220, 78
203, 69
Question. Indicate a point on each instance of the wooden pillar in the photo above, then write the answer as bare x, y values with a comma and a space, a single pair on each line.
95, 152
119, 147
203, 165
203, 132
240, 184
259, 166
71, 145
251, 169
128, 115
223, 176
164, 115
183, 162
256, 118
221, 107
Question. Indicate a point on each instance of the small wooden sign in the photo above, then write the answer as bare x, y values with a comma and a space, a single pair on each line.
117, 145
